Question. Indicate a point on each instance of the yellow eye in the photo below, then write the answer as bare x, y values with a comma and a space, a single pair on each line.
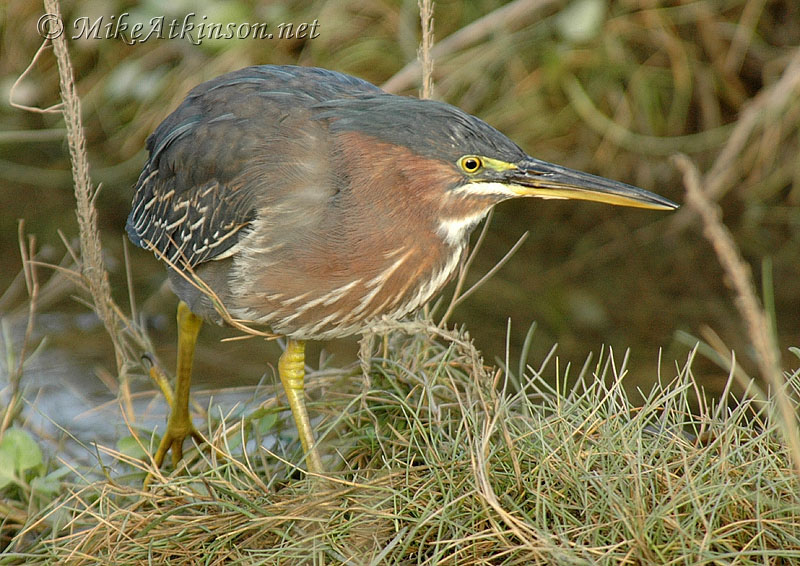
470, 163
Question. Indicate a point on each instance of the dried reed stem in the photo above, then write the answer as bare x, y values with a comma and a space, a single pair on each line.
91, 251
426, 47
92, 266
755, 319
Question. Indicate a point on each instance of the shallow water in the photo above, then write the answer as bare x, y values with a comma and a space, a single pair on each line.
73, 409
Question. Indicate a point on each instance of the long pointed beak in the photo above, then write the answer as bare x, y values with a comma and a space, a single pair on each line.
536, 178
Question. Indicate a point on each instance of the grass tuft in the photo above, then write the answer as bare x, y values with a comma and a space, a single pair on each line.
436, 464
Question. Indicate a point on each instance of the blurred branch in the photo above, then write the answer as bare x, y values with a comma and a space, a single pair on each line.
13, 406
23, 136
27, 252
639, 143
764, 108
116, 174
50, 109
513, 15
743, 36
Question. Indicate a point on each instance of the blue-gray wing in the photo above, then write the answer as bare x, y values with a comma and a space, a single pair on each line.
220, 153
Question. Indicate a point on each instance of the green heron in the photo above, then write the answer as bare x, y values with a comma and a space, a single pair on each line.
318, 205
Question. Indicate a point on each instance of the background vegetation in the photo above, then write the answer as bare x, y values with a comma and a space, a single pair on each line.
614, 88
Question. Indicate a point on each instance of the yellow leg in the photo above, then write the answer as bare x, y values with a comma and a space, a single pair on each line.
291, 368
179, 425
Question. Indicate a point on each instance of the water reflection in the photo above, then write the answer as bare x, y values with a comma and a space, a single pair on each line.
70, 401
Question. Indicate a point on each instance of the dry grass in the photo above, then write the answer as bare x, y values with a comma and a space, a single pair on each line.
441, 464
653, 80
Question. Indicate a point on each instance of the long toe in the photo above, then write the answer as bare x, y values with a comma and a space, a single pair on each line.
172, 441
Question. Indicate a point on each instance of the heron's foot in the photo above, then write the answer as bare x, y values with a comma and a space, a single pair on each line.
179, 425
172, 441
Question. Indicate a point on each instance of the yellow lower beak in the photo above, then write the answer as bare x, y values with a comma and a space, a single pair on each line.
535, 178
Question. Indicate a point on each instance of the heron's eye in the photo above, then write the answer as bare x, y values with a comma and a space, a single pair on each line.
470, 163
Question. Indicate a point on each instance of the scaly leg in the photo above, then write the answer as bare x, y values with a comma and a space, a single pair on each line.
291, 368
179, 425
